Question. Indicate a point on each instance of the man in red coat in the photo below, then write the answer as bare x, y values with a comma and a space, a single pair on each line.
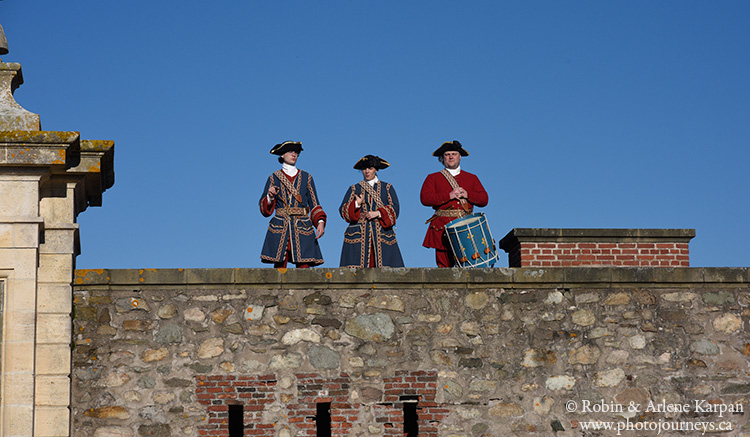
453, 193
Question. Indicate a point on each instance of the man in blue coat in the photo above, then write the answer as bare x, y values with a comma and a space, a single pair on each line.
299, 219
371, 208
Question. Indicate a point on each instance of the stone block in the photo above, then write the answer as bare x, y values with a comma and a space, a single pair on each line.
257, 276
480, 278
20, 195
22, 261
162, 276
53, 359
124, 276
21, 295
51, 421
455, 277
59, 241
401, 275
540, 275
19, 357
726, 274
17, 234
317, 277
56, 268
19, 326
91, 277
353, 277
18, 419
54, 298
19, 389
209, 276
53, 328
589, 275
52, 391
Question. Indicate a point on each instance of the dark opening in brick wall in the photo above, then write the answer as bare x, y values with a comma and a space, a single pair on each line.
411, 417
323, 419
236, 421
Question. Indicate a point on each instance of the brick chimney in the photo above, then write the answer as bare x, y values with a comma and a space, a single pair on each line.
530, 247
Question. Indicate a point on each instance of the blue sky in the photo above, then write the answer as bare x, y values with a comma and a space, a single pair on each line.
576, 114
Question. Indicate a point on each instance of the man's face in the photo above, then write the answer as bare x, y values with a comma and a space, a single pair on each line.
369, 173
451, 159
290, 158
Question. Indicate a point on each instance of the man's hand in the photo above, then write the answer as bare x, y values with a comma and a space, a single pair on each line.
358, 198
372, 215
273, 191
459, 193
321, 230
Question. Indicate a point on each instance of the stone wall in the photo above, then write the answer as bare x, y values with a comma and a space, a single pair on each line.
485, 352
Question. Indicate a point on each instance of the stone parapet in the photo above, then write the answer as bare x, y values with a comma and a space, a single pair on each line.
403, 278
531, 247
489, 352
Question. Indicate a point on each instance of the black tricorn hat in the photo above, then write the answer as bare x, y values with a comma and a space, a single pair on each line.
371, 161
287, 146
450, 146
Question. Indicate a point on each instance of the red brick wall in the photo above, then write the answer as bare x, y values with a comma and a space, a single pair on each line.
604, 254
313, 389
218, 392
419, 383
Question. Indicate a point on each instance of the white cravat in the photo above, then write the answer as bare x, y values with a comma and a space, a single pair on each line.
454, 171
291, 170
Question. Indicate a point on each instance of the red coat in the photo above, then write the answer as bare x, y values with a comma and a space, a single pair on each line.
436, 193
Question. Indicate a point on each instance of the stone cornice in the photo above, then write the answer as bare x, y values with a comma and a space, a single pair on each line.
342, 278
602, 235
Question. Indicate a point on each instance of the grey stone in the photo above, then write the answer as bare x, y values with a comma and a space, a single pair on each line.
160, 430
210, 348
452, 390
194, 315
322, 357
736, 389
376, 327
177, 382
479, 429
167, 311
718, 298
477, 300
503, 409
233, 328
470, 362
387, 302
587, 354
200, 368
327, 322
169, 334
150, 355
286, 361
113, 431
583, 317
705, 347
317, 298
297, 335
609, 378
728, 323
146, 381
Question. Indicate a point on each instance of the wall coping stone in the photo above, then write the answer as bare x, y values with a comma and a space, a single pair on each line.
428, 278
600, 235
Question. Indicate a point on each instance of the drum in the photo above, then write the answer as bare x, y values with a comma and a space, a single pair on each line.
471, 241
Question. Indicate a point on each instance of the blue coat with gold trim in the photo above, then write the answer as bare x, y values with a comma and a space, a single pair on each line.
294, 224
370, 243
